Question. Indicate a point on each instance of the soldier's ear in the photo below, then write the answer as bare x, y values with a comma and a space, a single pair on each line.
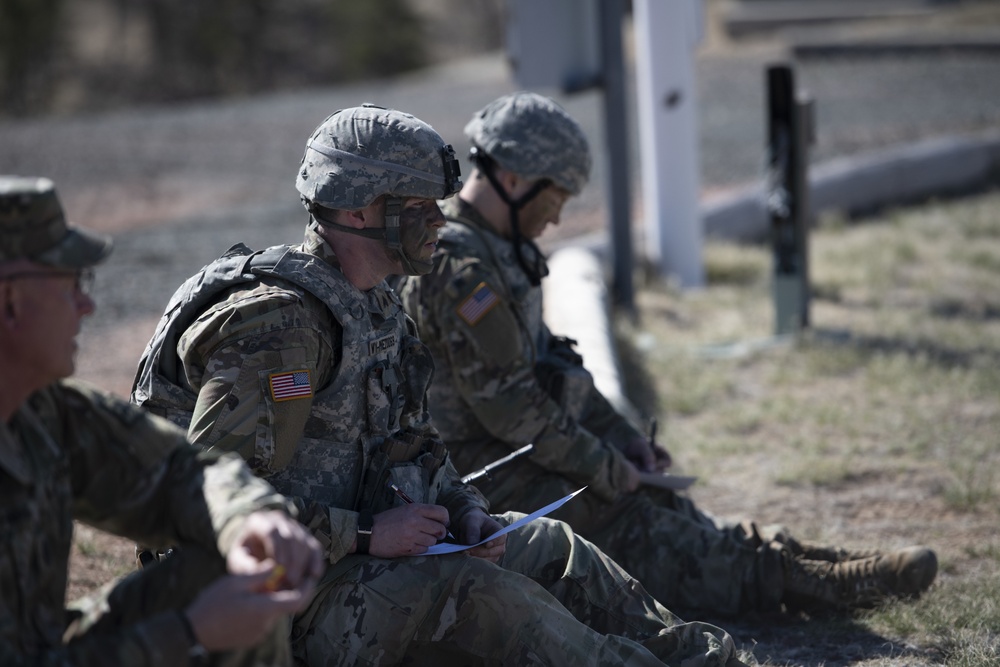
355, 219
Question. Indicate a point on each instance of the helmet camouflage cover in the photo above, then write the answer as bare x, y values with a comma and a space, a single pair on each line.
361, 153
535, 138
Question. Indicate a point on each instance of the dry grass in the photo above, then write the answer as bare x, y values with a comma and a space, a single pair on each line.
880, 426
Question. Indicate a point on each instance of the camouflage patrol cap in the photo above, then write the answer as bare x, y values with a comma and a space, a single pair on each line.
32, 226
358, 154
533, 137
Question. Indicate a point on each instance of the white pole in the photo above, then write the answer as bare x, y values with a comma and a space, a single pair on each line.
667, 33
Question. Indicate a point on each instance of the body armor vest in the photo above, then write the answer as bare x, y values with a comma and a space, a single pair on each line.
344, 457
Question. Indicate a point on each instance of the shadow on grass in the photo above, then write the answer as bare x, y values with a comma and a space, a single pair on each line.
779, 639
639, 385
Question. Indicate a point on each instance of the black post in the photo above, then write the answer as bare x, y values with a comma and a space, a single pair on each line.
616, 139
789, 134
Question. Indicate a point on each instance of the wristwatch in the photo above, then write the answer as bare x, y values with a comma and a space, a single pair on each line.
197, 655
365, 524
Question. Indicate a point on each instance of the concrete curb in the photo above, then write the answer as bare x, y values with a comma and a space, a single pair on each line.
576, 296
576, 305
865, 183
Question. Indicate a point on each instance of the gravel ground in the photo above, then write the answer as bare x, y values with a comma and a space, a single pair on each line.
178, 185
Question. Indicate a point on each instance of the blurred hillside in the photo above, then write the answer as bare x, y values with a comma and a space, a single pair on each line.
66, 56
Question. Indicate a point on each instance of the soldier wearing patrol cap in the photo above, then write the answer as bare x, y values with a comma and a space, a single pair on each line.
301, 359
503, 380
69, 452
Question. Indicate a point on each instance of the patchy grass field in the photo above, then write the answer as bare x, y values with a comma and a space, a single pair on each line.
880, 426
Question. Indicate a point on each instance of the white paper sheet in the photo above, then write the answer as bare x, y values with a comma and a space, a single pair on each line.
447, 548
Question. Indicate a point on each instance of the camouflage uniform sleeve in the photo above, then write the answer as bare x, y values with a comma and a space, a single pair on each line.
498, 384
231, 356
134, 474
114, 466
603, 420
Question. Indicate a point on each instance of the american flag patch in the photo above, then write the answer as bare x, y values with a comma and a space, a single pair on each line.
286, 386
480, 302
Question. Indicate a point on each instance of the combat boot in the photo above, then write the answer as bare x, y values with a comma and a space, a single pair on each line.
816, 586
811, 551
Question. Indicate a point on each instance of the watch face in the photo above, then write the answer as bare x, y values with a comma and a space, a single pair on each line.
198, 656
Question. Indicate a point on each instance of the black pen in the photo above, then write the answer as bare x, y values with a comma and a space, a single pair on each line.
409, 501
652, 432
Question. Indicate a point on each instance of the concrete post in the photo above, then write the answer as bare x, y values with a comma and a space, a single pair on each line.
666, 35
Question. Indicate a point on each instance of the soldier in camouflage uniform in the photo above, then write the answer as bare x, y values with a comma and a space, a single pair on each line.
300, 358
502, 380
70, 452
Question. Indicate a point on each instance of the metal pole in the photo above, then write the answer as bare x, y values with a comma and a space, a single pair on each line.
789, 134
616, 140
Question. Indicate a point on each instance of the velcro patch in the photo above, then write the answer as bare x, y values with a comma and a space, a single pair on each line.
476, 305
290, 385
382, 344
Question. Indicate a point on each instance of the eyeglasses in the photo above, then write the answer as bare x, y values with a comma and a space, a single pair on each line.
83, 279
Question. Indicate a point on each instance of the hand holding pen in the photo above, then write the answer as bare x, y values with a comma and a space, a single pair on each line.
409, 501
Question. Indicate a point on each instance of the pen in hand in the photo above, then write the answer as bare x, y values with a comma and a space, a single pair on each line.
409, 501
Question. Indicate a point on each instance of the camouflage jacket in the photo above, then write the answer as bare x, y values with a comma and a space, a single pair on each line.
73, 453
493, 389
320, 386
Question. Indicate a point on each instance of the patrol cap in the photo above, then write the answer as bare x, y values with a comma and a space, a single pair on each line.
534, 137
33, 226
361, 153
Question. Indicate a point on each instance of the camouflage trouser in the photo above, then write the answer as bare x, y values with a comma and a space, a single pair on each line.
555, 600
687, 559
166, 586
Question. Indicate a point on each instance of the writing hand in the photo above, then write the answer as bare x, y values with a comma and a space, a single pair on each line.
408, 530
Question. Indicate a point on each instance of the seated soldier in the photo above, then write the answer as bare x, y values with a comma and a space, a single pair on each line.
503, 380
301, 359
68, 451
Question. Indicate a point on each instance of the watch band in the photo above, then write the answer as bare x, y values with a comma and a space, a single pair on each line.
197, 655
365, 524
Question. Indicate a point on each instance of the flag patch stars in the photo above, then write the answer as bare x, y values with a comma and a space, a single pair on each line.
480, 302
293, 384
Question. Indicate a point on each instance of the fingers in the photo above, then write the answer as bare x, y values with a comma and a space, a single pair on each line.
271, 539
632, 481
235, 610
491, 550
663, 458
408, 530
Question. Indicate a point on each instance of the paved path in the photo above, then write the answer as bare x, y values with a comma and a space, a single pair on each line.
178, 185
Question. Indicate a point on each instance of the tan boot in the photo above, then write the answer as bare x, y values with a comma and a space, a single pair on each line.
811, 551
817, 585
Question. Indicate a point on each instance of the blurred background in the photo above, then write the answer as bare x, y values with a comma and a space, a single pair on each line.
177, 126
68, 56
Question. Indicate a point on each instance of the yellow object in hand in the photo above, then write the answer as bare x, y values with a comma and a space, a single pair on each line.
277, 575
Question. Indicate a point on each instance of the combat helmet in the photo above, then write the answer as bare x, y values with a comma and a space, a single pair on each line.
359, 154
533, 137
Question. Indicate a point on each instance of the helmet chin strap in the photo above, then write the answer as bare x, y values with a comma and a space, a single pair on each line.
390, 234
487, 166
